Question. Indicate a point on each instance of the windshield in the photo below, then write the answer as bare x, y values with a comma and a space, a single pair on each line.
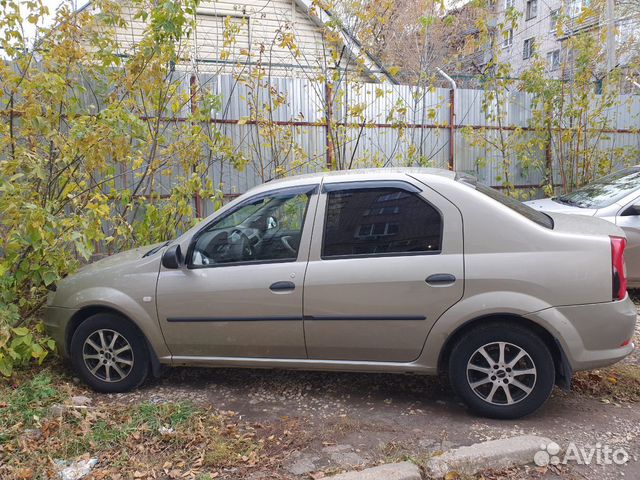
605, 191
526, 211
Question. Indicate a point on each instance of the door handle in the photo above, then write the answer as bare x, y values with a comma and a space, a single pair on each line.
440, 279
281, 286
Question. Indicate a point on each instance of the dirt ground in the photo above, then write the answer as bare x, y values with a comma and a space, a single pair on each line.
235, 424
345, 420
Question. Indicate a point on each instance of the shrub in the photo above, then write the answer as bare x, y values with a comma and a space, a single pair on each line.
86, 137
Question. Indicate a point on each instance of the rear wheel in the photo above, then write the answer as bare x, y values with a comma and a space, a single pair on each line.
502, 370
109, 354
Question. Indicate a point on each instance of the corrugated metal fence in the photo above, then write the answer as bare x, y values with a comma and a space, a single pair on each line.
375, 125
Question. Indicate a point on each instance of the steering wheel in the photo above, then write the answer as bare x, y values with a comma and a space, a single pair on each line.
285, 241
240, 247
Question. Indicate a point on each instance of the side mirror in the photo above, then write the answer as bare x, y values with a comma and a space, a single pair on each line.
172, 257
632, 211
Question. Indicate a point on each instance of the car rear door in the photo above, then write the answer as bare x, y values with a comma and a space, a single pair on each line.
386, 261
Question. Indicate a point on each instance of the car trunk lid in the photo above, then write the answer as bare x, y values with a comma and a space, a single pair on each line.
583, 225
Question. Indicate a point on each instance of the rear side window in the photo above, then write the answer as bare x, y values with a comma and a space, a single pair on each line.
380, 221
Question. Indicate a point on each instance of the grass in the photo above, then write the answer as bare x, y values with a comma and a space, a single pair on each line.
24, 406
131, 441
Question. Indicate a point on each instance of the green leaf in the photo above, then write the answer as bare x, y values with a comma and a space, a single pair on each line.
21, 331
6, 367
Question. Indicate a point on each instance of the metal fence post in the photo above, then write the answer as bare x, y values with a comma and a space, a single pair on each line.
452, 118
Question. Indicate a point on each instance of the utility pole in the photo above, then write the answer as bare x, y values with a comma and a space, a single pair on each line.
611, 35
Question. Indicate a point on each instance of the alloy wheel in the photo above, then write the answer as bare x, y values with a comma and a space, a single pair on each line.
108, 355
501, 373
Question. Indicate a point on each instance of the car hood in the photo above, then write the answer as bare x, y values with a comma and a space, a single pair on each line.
122, 259
125, 272
549, 205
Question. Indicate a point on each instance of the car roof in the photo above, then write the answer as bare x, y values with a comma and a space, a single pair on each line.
348, 175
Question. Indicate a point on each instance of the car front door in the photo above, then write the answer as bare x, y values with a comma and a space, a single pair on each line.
386, 262
240, 292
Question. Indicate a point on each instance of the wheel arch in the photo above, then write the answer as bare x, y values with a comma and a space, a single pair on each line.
563, 368
88, 311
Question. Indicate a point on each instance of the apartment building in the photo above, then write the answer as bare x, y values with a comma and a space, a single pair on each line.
542, 29
544, 26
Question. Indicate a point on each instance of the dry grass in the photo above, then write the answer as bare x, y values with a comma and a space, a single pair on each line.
620, 383
141, 440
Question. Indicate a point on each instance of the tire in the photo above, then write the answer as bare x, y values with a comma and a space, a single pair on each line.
496, 392
106, 365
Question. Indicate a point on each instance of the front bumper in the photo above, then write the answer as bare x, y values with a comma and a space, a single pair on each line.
592, 335
56, 320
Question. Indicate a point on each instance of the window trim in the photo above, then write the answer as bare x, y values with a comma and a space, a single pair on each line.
301, 189
369, 185
374, 185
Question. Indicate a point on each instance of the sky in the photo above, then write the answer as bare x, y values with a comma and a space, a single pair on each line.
52, 5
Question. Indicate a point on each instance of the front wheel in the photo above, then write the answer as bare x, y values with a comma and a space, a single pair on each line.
109, 354
502, 370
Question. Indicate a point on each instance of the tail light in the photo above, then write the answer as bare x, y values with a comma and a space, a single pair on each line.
618, 269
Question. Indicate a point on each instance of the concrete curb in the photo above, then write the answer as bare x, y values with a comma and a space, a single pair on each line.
390, 471
497, 454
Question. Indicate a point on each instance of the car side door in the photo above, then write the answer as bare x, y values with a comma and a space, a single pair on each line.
385, 263
628, 218
240, 292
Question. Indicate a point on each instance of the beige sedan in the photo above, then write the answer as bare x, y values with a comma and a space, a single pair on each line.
407, 270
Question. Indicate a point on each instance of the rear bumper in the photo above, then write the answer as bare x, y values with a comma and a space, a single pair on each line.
56, 320
592, 335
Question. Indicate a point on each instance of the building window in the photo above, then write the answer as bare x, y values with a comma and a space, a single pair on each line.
576, 7
554, 16
507, 41
509, 4
532, 9
529, 48
221, 38
407, 225
553, 60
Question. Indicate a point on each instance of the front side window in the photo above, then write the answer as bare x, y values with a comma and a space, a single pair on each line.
380, 221
268, 228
